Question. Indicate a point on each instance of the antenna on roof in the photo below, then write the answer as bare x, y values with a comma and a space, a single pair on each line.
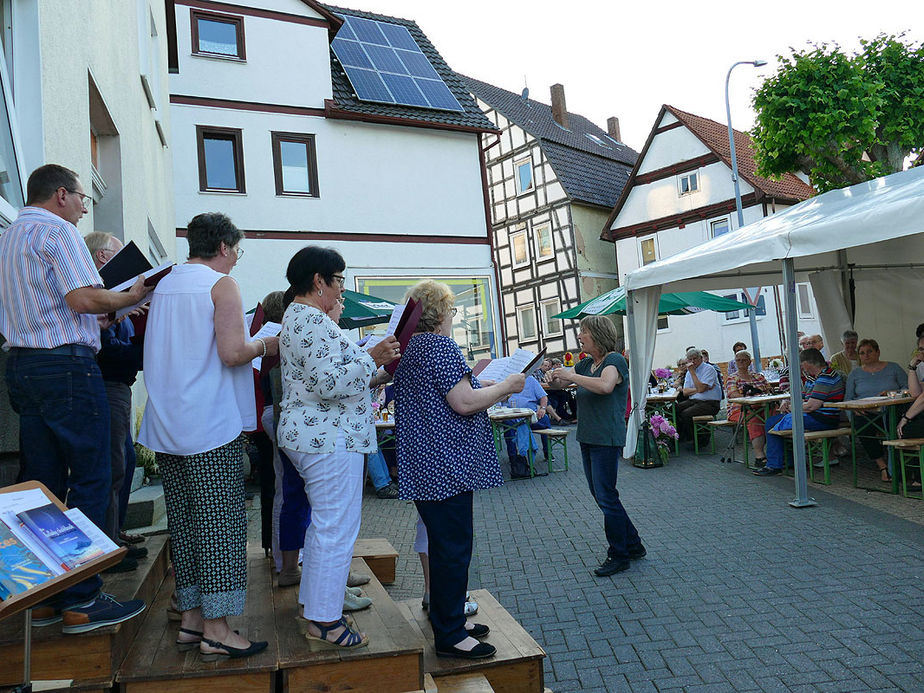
525, 93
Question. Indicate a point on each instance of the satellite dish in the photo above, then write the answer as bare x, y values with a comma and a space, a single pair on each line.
525, 93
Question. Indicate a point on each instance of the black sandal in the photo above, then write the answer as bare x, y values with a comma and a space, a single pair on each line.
188, 644
348, 637
229, 651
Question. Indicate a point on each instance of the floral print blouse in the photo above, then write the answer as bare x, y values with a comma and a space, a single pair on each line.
325, 385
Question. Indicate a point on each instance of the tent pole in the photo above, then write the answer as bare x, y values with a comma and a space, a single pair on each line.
798, 426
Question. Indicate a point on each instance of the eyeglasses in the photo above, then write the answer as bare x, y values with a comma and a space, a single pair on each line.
454, 311
85, 200
340, 279
240, 252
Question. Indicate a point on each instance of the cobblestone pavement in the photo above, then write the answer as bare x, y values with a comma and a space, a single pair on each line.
739, 591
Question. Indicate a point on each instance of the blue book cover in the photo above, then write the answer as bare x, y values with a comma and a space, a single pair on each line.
60, 536
20, 569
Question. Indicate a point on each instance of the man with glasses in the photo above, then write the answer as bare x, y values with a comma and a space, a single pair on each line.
50, 296
702, 390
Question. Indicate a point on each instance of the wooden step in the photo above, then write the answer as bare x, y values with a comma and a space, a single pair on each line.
155, 664
379, 555
87, 659
392, 662
517, 666
473, 682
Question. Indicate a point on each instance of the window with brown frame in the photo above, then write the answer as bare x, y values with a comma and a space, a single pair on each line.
221, 159
217, 35
295, 164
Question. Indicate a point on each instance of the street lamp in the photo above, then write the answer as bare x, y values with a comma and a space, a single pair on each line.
752, 313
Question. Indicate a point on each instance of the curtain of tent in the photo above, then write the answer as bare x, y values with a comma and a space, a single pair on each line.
642, 319
832, 310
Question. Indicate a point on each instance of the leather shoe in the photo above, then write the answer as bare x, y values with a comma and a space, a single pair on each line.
477, 630
611, 566
479, 651
767, 471
637, 552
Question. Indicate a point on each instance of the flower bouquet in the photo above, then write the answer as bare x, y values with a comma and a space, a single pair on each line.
664, 433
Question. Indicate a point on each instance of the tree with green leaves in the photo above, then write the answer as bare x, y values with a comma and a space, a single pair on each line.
843, 119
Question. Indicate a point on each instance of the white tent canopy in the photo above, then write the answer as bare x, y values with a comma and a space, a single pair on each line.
872, 232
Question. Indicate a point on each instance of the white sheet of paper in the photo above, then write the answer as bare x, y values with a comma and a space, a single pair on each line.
269, 329
124, 286
395, 319
500, 368
94, 533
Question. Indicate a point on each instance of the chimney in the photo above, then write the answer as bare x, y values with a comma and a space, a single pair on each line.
559, 110
612, 128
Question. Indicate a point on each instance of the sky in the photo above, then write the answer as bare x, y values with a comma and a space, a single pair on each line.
627, 59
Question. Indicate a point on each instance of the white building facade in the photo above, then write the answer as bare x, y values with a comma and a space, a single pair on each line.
680, 194
268, 129
84, 85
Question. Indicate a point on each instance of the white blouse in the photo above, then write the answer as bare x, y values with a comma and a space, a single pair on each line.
325, 385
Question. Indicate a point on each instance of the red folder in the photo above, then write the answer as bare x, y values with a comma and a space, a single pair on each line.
259, 317
406, 328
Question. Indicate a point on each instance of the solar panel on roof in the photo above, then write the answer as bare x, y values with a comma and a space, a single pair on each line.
384, 64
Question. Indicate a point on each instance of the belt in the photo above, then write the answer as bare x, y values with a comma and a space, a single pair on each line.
79, 350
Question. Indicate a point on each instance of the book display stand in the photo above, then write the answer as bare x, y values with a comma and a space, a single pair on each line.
25, 601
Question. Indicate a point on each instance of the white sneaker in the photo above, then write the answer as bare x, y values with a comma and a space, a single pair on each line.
471, 608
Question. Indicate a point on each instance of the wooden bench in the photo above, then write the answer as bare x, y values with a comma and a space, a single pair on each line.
379, 555
557, 438
700, 424
89, 660
155, 664
473, 682
820, 440
909, 449
517, 666
392, 662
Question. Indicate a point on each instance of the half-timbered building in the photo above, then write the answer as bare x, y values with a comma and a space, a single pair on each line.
553, 177
681, 193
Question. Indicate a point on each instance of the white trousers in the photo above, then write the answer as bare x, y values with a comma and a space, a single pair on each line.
333, 484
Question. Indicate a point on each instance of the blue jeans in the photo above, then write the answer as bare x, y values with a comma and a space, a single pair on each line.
64, 436
295, 514
601, 464
378, 470
776, 446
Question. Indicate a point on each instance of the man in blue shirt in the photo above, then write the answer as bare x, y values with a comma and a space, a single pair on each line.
521, 439
703, 391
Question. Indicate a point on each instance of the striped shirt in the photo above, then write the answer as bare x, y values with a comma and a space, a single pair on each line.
42, 259
828, 386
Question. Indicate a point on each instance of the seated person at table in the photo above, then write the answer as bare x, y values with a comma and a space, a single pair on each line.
702, 390
521, 439
916, 365
679, 374
736, 347
562, 405
826, 386
911, 425
717, 369
744, 383
846, 359
872, 379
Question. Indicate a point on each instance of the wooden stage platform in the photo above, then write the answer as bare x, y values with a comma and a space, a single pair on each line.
140, 655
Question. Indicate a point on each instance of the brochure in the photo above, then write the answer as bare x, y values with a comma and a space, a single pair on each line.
500, 368
60, 536
20, 568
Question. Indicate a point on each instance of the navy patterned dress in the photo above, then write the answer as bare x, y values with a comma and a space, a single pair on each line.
440, 453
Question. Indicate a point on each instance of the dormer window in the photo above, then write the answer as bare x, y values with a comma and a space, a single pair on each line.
688, 184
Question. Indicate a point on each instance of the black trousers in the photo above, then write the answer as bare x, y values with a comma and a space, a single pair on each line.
450, 536
689, 408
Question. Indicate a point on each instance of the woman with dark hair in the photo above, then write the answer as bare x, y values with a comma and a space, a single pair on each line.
445, 453
873, 378
603, 386
200, 397
325, 427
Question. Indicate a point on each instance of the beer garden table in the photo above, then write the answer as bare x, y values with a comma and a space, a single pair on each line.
871, 405
506, 419
751, 408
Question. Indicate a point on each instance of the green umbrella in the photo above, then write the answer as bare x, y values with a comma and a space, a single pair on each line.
682, 303
360, 310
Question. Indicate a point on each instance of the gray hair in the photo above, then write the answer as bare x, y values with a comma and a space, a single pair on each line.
743, 352
97, 240
693, 353
849, 334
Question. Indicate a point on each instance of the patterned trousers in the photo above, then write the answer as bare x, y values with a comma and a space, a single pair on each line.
207, 521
